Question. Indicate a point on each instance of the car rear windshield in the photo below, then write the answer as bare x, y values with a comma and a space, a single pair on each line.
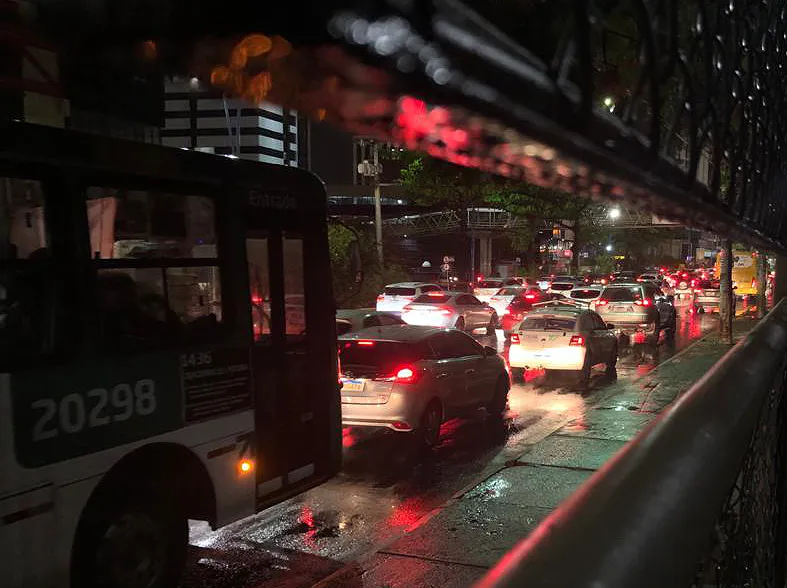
490, 284
584, 294
547, 323
364, 358
509, 291
648, 277
562, 286
435, 298
622, 294
399, 291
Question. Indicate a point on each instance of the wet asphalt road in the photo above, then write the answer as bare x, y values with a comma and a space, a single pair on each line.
387, 487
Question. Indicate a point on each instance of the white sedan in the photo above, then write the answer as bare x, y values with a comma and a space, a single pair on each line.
451, 309
561, 337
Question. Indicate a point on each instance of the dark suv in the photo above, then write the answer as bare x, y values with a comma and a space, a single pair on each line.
637, 309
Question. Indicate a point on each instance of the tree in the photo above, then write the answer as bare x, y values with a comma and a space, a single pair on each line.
546, 208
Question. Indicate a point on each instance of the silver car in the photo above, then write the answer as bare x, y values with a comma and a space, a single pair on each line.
396, 296
412, 378
355, 319
451, 309
640, 311
585, 296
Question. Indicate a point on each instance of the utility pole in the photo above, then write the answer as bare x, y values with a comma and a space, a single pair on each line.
378, 205
727, 301
373, 170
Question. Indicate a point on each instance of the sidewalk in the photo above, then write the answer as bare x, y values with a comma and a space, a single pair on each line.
460, 540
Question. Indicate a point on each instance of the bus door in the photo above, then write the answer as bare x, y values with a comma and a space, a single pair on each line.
280, 361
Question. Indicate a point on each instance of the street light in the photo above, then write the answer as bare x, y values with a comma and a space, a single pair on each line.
609, 248
609, 103
614, 213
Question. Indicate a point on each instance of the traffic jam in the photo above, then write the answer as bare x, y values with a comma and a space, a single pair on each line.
425, 354
438, 384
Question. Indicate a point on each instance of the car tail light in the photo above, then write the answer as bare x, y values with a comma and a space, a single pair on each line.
644, 302
577, 341
602, 302
366, 343
406, 375
381, 297
754, 282
530, 296
434, 293
445, 311
514, 339
640, 280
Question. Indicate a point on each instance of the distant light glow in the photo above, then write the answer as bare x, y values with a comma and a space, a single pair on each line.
614, 213
608, 248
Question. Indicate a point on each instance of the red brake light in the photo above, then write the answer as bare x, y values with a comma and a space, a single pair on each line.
577, 341
406, 375
754, 282
644, 302
256, 299
434, 293
381, 297
366, 343
445, 311
530, 296
514, 338
602, 302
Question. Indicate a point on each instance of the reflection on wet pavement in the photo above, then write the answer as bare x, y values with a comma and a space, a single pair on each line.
388, 487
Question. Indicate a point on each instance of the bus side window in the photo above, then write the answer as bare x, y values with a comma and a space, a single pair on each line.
147, 295
294, 296
259, 287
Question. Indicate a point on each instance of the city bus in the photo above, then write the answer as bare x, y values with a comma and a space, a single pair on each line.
167, 352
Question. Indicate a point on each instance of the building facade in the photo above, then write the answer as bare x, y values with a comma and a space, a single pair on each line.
200, 118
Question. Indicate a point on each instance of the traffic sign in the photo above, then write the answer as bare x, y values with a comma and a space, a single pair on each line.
448, 259
446, 267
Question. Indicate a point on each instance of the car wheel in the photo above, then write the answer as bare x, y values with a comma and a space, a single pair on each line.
611, 370
460, 324
584, 373
428, 431
130, 542
498, 404
490, 328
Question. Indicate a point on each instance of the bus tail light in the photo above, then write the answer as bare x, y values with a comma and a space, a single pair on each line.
577, 341
514, 339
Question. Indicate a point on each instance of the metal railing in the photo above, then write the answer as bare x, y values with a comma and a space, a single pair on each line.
696, 499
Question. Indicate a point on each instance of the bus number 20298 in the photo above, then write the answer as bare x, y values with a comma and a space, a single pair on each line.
96, 408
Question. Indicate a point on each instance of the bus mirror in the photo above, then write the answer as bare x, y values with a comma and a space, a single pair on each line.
356, 267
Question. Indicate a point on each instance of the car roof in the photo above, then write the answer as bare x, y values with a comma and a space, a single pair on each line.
410, 284
396, 333
589, 287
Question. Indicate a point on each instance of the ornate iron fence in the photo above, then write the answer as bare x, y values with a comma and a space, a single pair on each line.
699, 498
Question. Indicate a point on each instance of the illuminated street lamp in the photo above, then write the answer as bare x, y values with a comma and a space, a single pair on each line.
609, 248
609, 103
614, 213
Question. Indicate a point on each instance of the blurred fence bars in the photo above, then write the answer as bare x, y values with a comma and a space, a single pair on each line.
697, 499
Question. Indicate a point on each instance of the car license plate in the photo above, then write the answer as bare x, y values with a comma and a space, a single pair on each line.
352, 386
621, 309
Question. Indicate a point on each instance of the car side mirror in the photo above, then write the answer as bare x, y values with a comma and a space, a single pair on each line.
489, 351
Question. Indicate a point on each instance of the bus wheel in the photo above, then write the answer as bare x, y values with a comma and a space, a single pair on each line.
130, 544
